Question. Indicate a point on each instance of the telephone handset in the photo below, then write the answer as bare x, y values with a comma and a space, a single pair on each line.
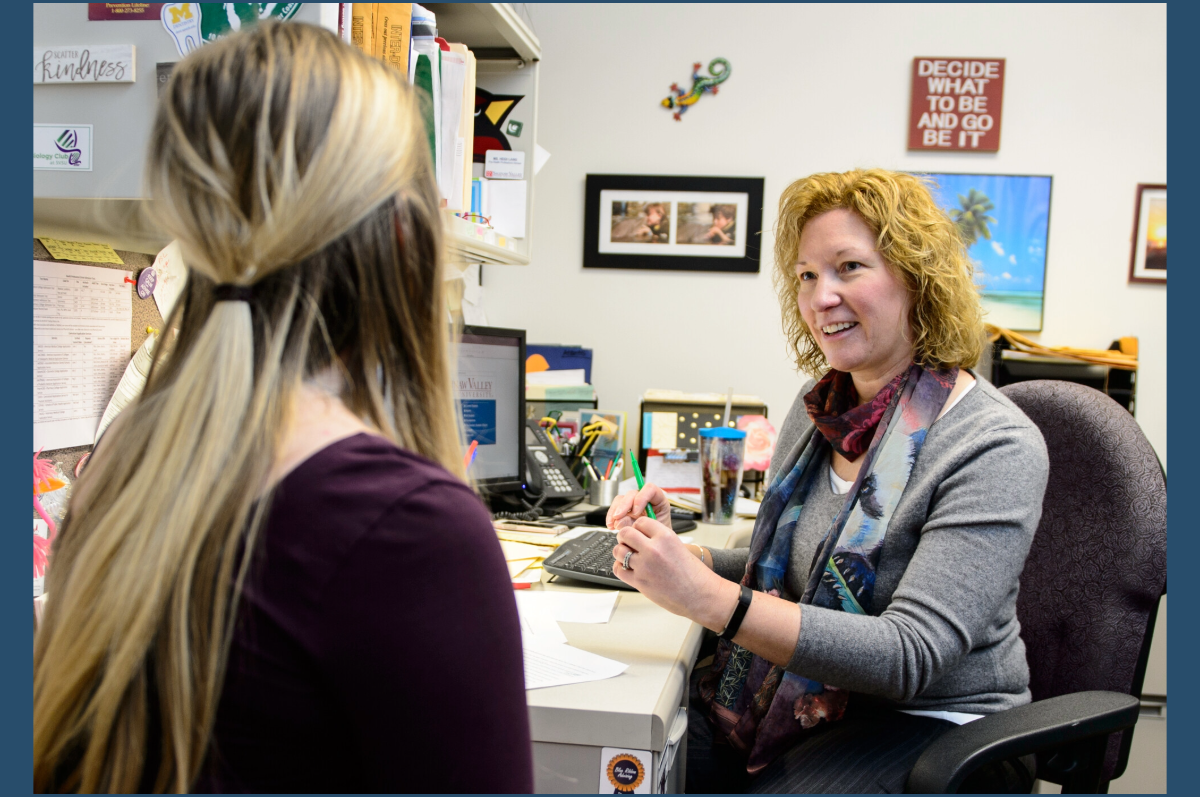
546, 472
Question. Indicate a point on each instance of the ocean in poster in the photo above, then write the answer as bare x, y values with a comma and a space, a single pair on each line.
1005, 220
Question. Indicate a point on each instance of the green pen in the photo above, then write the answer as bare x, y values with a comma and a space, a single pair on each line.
641, 482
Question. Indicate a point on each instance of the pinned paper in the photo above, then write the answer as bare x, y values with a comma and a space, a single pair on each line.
540, 156
504, 165
77, 250
172, 277
507, 200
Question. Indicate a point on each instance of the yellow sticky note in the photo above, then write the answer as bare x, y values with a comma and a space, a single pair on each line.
77, 250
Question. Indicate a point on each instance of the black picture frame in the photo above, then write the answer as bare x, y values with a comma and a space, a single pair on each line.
671, 187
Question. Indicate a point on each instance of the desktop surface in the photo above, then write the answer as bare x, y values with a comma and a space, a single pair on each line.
633, 710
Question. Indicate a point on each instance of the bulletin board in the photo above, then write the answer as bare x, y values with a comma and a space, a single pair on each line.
145, 314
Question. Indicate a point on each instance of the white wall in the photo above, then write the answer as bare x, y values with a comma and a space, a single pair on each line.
826, 88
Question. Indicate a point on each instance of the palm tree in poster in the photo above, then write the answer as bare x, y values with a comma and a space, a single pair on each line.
973, 219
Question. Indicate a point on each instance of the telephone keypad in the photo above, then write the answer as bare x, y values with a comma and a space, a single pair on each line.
556, 480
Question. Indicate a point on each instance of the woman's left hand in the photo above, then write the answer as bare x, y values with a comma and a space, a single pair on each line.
666, 572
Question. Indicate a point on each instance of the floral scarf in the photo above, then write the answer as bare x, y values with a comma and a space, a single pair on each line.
759, 707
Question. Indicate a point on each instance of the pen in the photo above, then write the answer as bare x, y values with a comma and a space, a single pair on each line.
641, 482
469, 457
608, 470
522, 585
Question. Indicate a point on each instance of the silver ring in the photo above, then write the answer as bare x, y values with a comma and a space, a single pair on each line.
625, 563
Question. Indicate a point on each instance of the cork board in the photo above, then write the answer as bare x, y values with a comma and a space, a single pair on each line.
145, 314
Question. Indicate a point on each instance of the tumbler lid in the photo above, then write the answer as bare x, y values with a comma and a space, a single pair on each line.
723, 432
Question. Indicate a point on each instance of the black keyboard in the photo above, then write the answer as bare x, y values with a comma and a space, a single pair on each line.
588, 557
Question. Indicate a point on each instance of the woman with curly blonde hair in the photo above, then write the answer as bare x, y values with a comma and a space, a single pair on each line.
876, 605
273, 576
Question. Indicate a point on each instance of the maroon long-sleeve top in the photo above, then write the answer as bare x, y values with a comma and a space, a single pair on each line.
377, 646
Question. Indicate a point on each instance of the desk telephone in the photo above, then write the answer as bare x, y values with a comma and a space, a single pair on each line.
545, 471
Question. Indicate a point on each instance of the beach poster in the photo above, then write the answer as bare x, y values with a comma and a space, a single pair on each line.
1005, 221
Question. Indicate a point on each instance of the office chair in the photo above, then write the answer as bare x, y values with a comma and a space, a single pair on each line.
1087, 603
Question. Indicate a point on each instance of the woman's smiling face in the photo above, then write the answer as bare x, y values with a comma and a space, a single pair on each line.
856, 308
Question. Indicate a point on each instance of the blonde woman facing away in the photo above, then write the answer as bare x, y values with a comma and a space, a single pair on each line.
876, 604
272, 576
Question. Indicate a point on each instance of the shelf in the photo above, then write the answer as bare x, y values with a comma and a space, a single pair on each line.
491, 30
122, 224
473, 243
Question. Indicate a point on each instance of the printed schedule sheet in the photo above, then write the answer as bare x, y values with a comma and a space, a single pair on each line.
81, 334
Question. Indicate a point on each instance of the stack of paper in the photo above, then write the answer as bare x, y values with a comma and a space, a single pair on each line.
522, 556
556, 664
549, 660
743, 507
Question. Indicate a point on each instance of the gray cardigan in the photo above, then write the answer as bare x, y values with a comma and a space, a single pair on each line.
944, 635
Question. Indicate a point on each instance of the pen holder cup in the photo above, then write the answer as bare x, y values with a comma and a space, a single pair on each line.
601, 492
722, 453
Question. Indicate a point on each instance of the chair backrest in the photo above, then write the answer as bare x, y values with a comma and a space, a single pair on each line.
1098, 565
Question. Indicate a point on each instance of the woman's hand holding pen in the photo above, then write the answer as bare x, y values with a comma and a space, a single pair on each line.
660, 566
650, 558
628, 507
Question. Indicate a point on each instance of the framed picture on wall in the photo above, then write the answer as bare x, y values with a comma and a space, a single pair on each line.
1148, 261
1005, 221
673, 223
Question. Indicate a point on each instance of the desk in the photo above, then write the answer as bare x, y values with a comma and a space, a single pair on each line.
570, 724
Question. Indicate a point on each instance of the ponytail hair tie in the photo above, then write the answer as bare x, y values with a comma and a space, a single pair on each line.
228, 292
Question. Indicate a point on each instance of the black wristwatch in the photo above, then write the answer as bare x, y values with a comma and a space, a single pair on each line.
739, 613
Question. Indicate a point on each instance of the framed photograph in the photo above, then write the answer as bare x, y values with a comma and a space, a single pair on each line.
1005, 221
673, 223
1148, 261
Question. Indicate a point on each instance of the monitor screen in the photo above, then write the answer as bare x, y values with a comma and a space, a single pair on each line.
490, 390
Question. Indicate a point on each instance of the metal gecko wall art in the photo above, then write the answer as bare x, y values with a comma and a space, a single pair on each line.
680, 101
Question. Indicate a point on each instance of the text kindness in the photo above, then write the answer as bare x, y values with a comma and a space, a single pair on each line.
76, 65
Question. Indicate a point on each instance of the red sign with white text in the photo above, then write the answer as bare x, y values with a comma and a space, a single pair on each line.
123, 11
956, 104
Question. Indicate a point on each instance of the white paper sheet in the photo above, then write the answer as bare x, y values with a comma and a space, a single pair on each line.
552, 664
506, 206
472, 290
570, 607
171, 277
474, 313
540, 156
537, 620
453, 74
672, 475
81, 320
570, 376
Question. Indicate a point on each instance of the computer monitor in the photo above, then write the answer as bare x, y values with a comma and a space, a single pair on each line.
490, 391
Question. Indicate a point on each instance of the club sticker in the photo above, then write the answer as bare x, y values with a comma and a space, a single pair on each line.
146, 282
624, 771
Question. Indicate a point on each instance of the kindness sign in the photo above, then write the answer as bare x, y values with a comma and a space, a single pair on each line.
83, 64
956, 104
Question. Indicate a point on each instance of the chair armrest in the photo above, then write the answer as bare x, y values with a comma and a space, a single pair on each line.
1027, 729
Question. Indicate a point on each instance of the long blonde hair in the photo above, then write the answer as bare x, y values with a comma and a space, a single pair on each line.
917, 240
285, 161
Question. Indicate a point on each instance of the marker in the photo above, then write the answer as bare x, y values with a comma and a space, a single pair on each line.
641, 482
522, 585
608, 470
